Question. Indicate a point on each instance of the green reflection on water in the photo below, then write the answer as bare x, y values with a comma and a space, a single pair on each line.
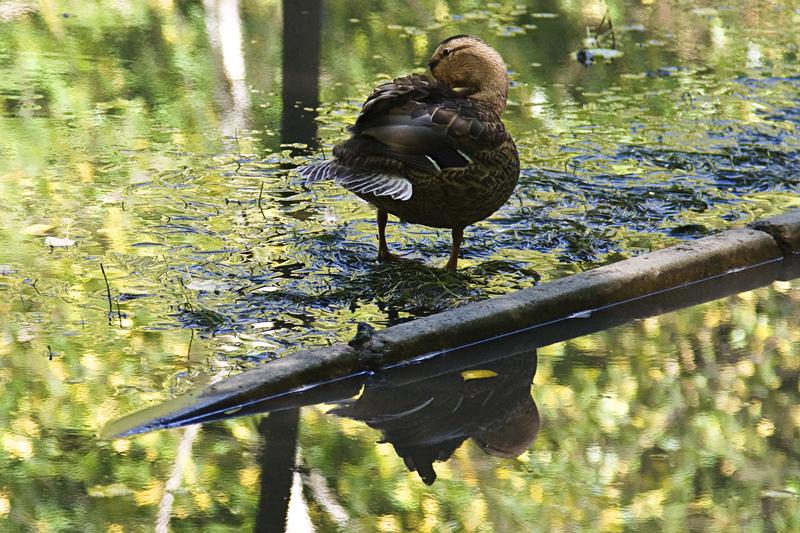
683, 421
149, 133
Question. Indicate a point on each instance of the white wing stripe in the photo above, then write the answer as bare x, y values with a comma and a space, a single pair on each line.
396, 187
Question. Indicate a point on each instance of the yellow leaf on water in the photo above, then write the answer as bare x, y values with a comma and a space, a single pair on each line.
109, 491
360, 392
478, 374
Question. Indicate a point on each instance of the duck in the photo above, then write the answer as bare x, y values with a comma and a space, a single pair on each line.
432, 150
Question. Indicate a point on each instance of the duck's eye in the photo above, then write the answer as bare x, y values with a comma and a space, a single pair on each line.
445, 52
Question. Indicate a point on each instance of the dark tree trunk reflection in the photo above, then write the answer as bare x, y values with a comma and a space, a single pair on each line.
301, 51
279, 433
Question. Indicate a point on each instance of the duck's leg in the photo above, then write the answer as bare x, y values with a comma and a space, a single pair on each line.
383, 249
458, 236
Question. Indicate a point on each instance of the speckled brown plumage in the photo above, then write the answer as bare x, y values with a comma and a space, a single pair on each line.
432, 151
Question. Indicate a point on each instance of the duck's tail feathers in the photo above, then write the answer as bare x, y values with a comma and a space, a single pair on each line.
358, 181
318, 171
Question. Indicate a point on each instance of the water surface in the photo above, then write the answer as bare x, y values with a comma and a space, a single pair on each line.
158, 139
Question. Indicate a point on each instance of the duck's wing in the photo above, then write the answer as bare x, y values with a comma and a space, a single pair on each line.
423, 124
358, 180
411, 123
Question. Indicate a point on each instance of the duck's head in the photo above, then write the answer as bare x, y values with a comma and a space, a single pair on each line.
467, 63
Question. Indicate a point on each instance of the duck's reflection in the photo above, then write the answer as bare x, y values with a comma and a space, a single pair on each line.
426, 418
426, 408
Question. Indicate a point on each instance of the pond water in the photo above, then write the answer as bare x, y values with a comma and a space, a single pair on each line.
153, 236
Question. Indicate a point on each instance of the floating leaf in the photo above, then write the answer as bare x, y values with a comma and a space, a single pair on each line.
59, 242
109, 491
779, 494
25, 335
605, 53
478, 374
206, 285
360, 393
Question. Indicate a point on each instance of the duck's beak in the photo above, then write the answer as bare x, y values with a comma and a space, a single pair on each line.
432, 64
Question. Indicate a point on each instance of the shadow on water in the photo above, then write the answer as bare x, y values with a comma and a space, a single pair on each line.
604, 203
427, 407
